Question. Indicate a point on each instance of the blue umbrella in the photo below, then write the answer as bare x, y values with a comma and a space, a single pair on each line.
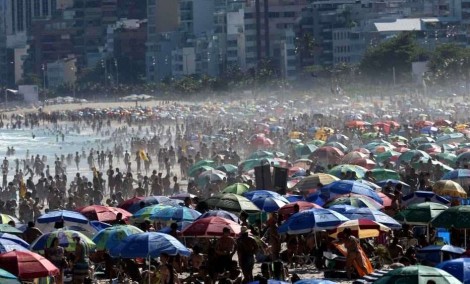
7, 246
269, 204
315, 281
435, 254
181, 227
294, 198
263, 193
99, 225
318, 198
423, 196
152, 200
374, 215
150, 244
443, 248
459, 268
62, 215
457, 174
177, 214
341, 208
341, 187
312, 220
220, 213
13, 238
8, 278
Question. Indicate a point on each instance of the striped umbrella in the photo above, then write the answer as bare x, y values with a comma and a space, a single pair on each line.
312, 220
65, 240
112, 236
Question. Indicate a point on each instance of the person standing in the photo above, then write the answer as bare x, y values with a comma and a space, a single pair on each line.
353, 256
80, 261
246, 250
55, 254
224, 251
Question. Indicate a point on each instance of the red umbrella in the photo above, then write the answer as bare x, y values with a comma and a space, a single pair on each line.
329, 153
366, 163
211, 227
103, 213
423, 123
129, 202
288, 209
27, 265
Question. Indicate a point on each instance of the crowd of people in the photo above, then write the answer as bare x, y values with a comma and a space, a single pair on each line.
150, 154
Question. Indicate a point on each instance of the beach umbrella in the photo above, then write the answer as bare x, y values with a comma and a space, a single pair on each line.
148, 245
327, 154
311, 182
412, 155
304, 149
103, 213
200, 163
62, 215
457, 217
129, 202
459, 268
337, 138
417, 274
7, 246
14, 238
237, 188
5, 218
264, 193
152, 200
8, 278
227, 168
269, 204
113, 236
341, 208
387, 155
212, 175
423, 196
253, 163
430, 252
450, 138
420, 213
289, 209
220, 213
65, 238
170, 213
350, 187
27, 265
361, 228
446, 158
397, 138
381, 174
195, 171
211, 226
270, 281
365, 163
260, 154
232, 203
356, 201
316, 142
421, 140
461, 176
146, 212
387, 201
5, 228
449, 188
374, 215
351, 156
337, 145
337, 171
311, 220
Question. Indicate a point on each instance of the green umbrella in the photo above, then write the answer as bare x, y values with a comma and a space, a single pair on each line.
421, 140
338, 145
8, 278
304, 149
5, 228
232, 203
394, 138
383, 174
457, 217
209, 163
317, 143
417, 274
292, 141
420, 213
196, 171
228, 168
337, 170
408, 156
251, 164
369, 135
237, 188
382, 157
260, 154
418, 164
447, 158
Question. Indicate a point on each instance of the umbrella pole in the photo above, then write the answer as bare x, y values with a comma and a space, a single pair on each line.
465, 238
427, 233
315, 236
149, 269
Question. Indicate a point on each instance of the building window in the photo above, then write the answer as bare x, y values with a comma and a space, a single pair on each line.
28, 13
37, 8
248, 15
20, 10
45, 8
13, 16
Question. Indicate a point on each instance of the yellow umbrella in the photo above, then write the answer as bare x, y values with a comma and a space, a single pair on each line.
449, 188
361, 228
296, 135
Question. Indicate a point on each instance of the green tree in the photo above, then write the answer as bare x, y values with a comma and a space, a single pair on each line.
448, 64
394, 54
